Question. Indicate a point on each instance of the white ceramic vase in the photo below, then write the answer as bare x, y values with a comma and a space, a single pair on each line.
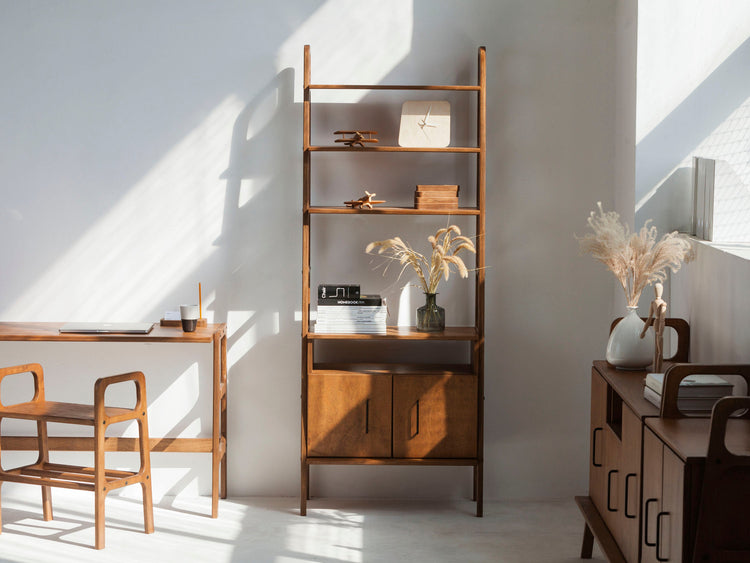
625, 348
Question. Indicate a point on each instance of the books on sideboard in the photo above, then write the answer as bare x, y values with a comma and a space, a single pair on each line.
357, 313
696, 395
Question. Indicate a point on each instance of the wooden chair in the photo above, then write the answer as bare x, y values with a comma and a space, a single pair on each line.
97, 479
724, 514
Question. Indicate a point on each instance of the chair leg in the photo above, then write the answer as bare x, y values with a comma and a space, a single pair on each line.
100, 486
148, 505
41, 428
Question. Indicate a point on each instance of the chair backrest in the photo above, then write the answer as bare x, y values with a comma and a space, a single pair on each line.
677, 372
682, 328
36, 372
724, 512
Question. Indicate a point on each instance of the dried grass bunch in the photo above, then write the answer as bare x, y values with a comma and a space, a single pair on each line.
446, 244
637, 260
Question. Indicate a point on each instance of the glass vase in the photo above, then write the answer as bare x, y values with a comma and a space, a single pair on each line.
430, 316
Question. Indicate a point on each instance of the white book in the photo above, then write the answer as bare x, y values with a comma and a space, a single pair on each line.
696, 385
688, 405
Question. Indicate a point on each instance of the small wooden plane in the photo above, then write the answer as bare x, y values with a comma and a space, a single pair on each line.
365, 202
356, 138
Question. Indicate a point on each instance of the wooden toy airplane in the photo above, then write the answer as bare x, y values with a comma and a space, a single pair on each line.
365, 202
357, 137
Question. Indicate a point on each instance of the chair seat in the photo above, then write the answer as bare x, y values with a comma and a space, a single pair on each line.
52, 411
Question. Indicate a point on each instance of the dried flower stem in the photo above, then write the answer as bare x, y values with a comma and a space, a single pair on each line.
446, 244
637, 260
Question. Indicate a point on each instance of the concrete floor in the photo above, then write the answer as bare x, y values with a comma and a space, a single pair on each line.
270, 530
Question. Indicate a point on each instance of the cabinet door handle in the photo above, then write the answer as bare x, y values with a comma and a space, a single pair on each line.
367, 416
609, 490
417, 417
593, 446
658, 537
627, 495
645, 522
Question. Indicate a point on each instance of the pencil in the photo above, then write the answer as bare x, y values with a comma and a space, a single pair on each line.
200, 302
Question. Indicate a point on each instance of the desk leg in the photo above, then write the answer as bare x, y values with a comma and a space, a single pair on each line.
224, 415
218, 446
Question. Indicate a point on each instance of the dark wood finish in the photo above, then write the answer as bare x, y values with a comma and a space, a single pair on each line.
676, 373
653, 460
406, 333
688, 437
669, 520
447, 87
334, 210
629, 498
596, 528
628, 385
385, 148
597, 474
98, 479
349, 415
215, 334
473, 393
722, 531
435, 416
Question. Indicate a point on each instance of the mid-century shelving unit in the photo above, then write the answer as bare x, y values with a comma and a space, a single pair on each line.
392, 413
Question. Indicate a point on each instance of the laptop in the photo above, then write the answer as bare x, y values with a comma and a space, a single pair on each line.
107, 328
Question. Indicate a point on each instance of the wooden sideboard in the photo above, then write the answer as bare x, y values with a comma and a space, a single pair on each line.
646, 470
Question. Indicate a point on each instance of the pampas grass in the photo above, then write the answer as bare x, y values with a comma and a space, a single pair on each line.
637, 260
446, 244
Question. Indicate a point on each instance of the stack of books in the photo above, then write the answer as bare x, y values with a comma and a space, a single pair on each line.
436, 197
343, 310
696, 395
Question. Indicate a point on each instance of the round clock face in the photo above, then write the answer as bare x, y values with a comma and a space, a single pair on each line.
425, 124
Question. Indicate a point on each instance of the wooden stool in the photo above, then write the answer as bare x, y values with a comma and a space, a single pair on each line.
97, 479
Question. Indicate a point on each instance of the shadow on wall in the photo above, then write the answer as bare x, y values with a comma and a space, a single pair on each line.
708, 123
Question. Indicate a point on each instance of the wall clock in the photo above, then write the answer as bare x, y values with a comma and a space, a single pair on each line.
425, 124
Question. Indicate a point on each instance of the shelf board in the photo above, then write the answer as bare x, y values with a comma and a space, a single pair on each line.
449, 87
386, 148
341, 210
405, 333
459, 461
385, 368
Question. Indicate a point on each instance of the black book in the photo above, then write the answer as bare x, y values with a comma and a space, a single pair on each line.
369, 300
338, 291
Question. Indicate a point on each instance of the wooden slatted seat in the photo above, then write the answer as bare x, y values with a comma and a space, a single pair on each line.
98, 479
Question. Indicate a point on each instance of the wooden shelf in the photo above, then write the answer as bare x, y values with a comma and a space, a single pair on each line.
393, 369
468, 333
390, 461
335, 148
446, 87
341, 210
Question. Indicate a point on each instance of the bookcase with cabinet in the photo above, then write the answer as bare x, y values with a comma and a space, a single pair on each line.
393, 412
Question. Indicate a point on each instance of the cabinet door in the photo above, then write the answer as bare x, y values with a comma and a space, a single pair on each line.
349, 415
670, 518
653, 451
613, 479
435, 416
597, 475
629, 492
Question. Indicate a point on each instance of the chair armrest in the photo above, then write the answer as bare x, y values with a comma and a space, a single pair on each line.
100, 387
36, 372
677, 372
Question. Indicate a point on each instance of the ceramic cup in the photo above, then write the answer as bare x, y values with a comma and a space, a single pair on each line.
189, 315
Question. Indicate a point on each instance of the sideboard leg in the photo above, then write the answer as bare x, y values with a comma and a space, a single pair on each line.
587, 546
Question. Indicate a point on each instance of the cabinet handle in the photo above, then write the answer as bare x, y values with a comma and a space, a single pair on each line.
593, 447
417, 418
367, 416
627, 495
658, 537
645, 523
609, 489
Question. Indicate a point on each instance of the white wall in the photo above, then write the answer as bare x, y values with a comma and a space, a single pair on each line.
147, 147
693, 100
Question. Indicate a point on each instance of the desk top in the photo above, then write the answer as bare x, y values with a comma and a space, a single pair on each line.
688, 437
50, 332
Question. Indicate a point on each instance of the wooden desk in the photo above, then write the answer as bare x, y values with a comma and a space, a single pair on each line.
215, 334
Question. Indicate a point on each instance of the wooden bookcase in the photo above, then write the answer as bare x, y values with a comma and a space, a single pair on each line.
394, 413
